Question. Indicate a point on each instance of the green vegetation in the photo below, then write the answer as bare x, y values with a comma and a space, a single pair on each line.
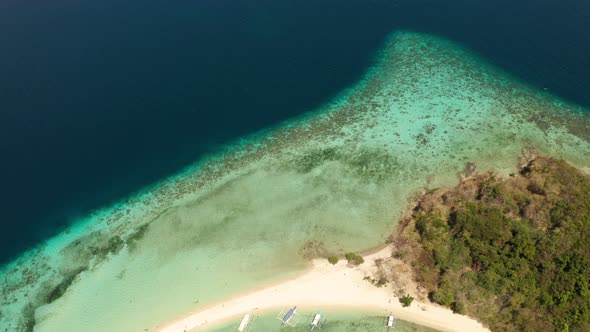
354, 259
333, 260
406, 300
514, 253
382, 281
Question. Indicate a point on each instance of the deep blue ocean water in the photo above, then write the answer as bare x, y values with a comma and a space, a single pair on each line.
101, 98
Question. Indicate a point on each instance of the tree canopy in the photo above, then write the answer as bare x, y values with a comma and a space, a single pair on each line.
512, 252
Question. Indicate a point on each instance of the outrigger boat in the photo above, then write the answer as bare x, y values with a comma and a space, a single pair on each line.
245, 323
316, 320
390, 322
289, 315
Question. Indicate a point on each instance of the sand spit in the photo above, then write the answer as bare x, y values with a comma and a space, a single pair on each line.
326, 286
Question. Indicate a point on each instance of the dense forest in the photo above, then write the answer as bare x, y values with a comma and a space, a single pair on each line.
513, 252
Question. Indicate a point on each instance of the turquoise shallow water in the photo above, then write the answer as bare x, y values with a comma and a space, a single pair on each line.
337, 321
333, 181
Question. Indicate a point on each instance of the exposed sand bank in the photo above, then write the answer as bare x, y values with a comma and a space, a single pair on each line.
328, 286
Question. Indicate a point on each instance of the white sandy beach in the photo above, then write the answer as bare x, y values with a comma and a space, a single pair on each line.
328, 286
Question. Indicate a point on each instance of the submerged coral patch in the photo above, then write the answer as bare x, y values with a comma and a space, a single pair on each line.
365, 163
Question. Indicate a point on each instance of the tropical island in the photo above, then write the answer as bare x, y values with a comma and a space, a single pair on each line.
510, 251
513, 252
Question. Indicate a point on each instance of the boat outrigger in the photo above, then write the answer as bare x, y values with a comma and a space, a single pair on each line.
316, 320
390, 322
289, 317
246, 323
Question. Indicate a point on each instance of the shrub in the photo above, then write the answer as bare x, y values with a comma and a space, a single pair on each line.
458, 307
406, 300
333, 260
354, 259
381, 282
445, 295
536, 189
